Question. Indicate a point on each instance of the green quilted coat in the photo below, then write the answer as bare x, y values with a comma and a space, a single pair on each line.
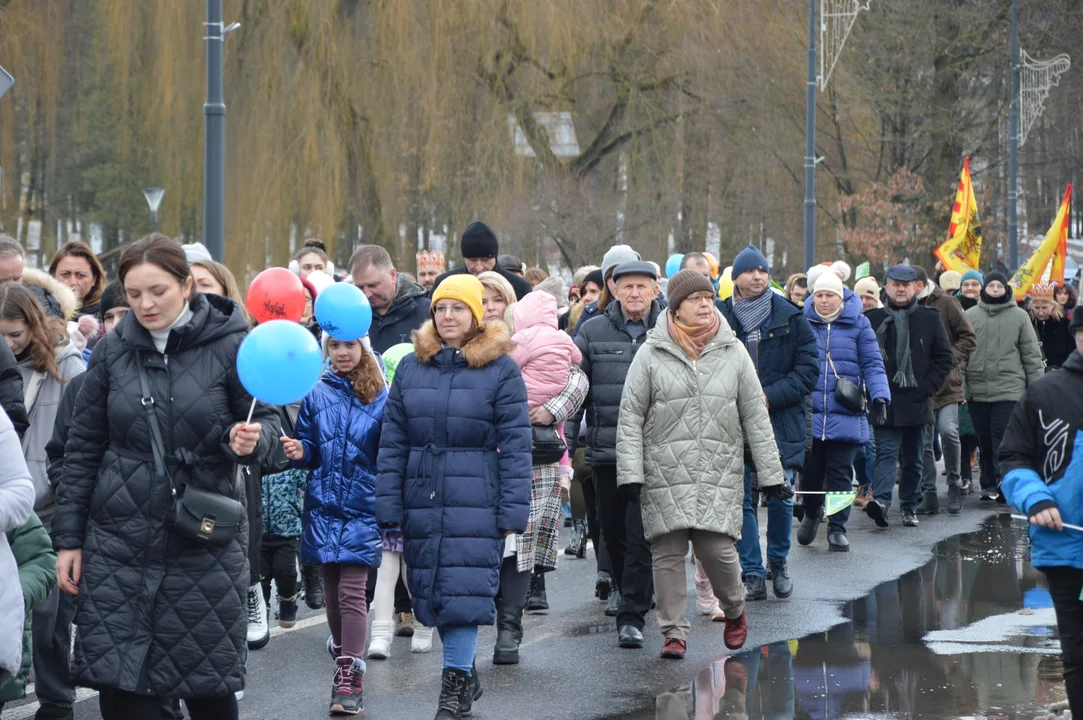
683, 428
33, 551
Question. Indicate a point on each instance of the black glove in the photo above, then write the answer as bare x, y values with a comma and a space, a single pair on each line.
779, 492
389, 526
879, 411
631, 492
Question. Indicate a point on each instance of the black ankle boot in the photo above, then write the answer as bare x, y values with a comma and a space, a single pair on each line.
313, 580
471, 692
452, 684
536, 599
810, 525
509, 633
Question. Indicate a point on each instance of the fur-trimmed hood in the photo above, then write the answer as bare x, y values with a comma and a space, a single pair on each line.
492, 341
66, 303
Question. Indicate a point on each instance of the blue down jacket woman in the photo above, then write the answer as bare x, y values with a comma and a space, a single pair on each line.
159, 614
340, 436
455, 470
856, 356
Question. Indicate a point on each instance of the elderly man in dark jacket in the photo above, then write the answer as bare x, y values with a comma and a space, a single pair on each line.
399, 306
608, 343
783, 349
480, 248
917, 357
963, 340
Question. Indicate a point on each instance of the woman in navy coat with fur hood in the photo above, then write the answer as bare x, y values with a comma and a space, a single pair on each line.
455, 474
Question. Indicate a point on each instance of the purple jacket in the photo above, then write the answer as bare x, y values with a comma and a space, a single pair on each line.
856, 356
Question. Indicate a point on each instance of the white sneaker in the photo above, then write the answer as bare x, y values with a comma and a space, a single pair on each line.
380, 644
422, 640
259, 631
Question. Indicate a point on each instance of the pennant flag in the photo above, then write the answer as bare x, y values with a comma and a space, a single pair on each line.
836, 501
862, 271
1053, 249
962, 250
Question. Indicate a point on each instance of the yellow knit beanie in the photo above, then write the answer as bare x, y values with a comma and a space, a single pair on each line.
465, 288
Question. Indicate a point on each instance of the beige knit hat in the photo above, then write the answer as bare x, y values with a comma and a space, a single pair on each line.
867, 287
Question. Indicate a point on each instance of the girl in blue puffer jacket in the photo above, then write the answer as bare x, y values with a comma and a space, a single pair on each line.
338, 436
848, 351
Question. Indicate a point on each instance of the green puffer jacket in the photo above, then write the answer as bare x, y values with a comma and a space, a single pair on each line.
1008, 357
33, 551
683, 427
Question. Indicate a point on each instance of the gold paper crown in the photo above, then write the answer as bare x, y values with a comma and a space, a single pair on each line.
431, 258
1042, 291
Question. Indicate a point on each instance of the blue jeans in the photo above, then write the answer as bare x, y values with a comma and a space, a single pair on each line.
865, 461
460, 645
895, 446
779, 529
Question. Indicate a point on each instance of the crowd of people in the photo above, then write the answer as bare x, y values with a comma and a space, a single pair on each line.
425, 480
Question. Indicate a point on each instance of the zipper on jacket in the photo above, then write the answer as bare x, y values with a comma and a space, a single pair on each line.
827, 350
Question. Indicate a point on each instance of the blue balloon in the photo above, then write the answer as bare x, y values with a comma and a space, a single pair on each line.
673, 265
343, 312
279, 362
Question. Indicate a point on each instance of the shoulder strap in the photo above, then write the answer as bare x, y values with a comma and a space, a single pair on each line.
156, 445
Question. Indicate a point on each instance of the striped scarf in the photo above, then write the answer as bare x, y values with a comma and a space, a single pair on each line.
753, 312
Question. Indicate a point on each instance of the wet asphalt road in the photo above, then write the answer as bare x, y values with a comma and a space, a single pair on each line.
571, 666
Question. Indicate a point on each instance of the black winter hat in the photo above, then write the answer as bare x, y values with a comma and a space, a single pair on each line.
479, 241
112, 296
1077, 322
595, 276
995, 275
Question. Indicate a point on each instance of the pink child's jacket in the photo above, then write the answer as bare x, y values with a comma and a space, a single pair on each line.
544, 353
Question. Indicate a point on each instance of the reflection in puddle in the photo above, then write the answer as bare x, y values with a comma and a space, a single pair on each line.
992, 653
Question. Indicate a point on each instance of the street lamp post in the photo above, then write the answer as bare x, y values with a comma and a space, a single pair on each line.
214, 135
1013, 151
154, 200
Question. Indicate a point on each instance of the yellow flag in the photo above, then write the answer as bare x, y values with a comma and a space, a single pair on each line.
962, 250
1053, 248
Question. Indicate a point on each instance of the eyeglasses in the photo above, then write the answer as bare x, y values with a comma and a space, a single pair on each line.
453, 309
700, 296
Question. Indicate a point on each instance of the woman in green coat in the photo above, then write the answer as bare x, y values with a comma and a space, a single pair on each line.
692, 402
1007, 360
33, 551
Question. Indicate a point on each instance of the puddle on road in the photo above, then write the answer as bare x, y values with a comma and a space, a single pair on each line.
882, 662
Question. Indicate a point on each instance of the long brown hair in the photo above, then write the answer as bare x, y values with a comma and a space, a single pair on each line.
18, 304
366, 377
78, 248
156, 249
224, 277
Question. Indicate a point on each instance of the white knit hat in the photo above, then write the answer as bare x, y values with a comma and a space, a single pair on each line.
814, 273
829, 282
842, 270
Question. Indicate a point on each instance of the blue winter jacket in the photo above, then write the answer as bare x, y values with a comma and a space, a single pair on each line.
1042, 461
455, 470
341, 436
788, 368
856, 356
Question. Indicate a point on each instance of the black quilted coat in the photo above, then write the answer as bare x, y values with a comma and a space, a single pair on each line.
158, 614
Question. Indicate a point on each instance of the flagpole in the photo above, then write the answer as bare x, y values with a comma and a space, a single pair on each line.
1013, 153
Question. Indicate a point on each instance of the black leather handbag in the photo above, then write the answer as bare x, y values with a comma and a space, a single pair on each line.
549, 446
208, 518
848, 393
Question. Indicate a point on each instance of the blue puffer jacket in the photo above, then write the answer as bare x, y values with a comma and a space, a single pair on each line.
856, 356
341, 436
788, 369
455, 471
1042, 461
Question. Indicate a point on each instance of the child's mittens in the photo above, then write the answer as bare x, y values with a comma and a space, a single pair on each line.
566, 475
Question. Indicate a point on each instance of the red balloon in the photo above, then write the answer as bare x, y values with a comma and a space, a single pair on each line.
276, 294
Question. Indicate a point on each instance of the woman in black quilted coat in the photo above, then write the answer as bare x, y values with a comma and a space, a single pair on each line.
159, 615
